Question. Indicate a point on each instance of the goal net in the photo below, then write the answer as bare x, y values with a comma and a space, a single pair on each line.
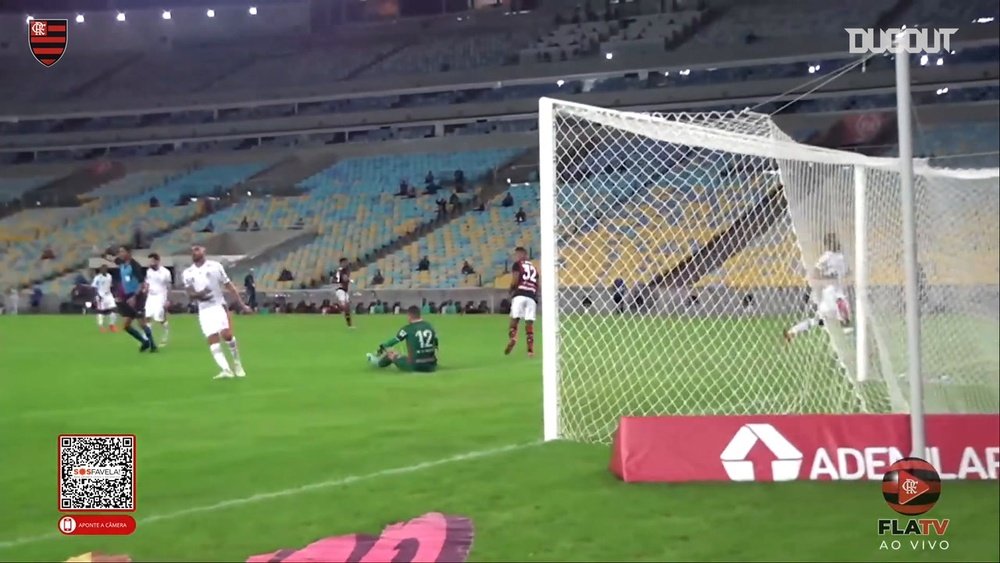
679, 249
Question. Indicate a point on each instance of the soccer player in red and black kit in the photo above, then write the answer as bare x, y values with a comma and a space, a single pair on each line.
524, 299
342, 279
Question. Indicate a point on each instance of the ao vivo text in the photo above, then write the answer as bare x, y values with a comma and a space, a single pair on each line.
920, 530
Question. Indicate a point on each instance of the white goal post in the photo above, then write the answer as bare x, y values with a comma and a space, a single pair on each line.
678, 249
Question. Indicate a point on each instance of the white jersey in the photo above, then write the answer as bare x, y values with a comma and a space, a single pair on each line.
832, 268
102, 283
211, 276
159, 281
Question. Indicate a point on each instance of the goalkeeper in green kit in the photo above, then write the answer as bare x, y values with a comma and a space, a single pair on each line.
421, 346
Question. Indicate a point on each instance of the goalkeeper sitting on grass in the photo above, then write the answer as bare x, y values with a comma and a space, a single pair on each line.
421, 344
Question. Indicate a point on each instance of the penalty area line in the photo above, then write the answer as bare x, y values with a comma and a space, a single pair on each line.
259, 497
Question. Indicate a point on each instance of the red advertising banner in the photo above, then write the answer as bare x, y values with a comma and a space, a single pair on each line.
798, 447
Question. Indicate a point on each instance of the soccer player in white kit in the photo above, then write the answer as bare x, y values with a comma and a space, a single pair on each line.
206, 282
159, 280
829, 273
105, 304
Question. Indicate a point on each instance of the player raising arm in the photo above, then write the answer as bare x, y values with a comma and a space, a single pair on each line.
421, 345
523, 301
206, 282
829, 274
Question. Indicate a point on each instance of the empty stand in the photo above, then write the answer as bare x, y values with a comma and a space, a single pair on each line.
354, 208
442, 54
306, 65
12, 188
486, 239
113, 220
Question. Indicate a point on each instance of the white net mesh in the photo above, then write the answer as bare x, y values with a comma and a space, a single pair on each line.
683, 244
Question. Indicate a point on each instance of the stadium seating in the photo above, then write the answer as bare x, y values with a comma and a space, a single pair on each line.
696, 200
746, 19
939, 13
652, 33
353, 208
976, 140
130, 184
485, 239
22, 79
773, 260
13, 187
31, 224
305, 66
442, 54
108, 221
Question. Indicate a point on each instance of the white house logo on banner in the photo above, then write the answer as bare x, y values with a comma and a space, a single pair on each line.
785, 467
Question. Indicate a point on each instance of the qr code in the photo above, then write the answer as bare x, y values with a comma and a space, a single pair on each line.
97, 472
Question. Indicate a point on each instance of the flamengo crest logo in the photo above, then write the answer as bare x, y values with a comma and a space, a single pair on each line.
785, 467
47, 40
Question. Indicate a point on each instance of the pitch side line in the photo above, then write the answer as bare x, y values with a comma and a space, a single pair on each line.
331, 484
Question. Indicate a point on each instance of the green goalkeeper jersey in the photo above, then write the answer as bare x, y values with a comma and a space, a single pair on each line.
421, 342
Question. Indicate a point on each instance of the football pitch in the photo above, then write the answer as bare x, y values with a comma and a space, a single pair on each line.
316, 443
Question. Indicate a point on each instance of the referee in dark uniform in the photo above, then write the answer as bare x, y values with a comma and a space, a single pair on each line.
251, 288
133, 299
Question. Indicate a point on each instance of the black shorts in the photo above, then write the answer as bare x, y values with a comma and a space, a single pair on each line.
128, 311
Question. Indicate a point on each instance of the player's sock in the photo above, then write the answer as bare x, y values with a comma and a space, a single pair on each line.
845, 312
234, 351
347, 316
803, 326
529, 329
511, 338
148, 331
384, 361
100, 320
114, 318
219, 356
166, 332
135, 334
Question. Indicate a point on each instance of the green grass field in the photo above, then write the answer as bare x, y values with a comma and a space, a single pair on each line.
316, 443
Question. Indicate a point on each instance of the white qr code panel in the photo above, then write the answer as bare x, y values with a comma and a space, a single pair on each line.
97, 472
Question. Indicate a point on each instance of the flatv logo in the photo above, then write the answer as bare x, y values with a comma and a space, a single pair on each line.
429, 538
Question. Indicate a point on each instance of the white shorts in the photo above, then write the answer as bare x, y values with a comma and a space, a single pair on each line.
342, 297
105, 302
213, 320
828, 308
156, 308
522, 307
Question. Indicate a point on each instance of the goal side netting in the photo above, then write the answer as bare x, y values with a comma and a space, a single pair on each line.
678, 250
